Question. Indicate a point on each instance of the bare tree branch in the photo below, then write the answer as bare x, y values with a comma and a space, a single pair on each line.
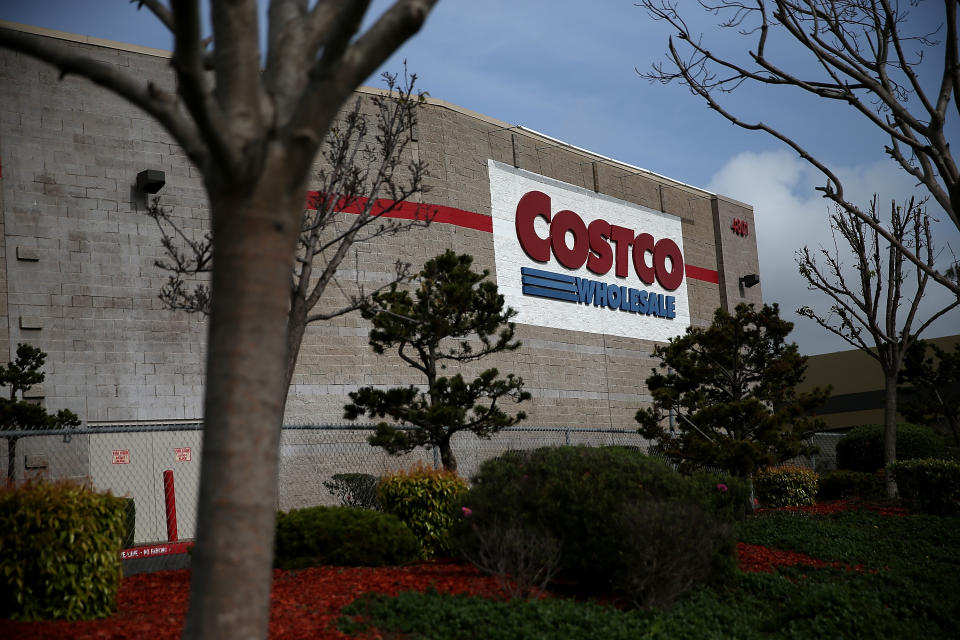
236, 61
358, 61
856, 310
187, 61
867, 56
158, 9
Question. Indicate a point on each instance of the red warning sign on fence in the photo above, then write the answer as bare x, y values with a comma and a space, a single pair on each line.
121, 456
182, 454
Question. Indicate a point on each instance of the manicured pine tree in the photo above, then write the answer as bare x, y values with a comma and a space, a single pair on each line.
17, 414
732, 391
455, 315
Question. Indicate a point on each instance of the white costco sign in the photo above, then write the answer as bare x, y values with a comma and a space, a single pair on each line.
569, 258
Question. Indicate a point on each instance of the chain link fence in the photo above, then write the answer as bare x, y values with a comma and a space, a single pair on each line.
158, 467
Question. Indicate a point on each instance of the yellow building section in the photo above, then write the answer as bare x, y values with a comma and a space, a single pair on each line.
857, 382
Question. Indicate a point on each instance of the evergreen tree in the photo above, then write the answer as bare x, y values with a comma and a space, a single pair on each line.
17, 414
934, 391
730, 389
454, 316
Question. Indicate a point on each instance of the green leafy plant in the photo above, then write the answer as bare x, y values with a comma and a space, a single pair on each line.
455, 316
786, 486
862, 448
342, 536
731, 388
354, 489
593, 502
933, 485
843, 483
426, 501
59, 551
436, 616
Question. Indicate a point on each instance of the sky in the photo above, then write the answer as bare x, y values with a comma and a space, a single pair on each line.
569, 69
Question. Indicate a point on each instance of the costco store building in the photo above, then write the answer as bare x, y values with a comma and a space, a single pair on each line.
602, 261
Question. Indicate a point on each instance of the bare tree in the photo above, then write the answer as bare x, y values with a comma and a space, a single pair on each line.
866, 308
864, 53
252, 130
362, 182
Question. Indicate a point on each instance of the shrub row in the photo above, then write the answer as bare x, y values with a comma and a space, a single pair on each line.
932, 485
59, 551
862, 448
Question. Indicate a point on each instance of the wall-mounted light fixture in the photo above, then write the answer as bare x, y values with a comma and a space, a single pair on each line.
750, 280
150, 180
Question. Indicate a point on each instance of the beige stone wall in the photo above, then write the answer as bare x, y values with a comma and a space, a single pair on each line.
71, 152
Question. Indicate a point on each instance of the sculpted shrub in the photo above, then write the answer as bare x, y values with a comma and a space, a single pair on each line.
426, 501
933, 485
624, 523
862, 448
342, 536
842, 483
786, 486
59, 551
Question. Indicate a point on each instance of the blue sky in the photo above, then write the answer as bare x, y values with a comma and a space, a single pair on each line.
568, 68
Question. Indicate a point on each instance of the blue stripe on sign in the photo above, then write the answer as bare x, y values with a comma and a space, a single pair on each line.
549, 284
549, 275
549, 293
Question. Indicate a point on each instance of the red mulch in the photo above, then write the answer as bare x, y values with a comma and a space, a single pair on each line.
836, 506
307, 603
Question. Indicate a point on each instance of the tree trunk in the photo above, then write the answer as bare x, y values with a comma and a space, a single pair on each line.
296, 328
254, 233
447, 459
890, 432
11, 459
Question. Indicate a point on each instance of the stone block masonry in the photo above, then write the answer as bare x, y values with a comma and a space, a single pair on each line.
78, 279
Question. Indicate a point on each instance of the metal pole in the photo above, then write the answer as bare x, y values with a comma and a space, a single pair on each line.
170, 496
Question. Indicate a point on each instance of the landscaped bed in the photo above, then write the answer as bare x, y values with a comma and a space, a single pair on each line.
835, 570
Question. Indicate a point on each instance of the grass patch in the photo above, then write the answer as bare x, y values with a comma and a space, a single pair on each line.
907, 591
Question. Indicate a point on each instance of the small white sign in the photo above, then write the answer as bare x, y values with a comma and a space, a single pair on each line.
182, 454
121, 456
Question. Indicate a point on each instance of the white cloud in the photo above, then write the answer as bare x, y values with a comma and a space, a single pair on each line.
790, 214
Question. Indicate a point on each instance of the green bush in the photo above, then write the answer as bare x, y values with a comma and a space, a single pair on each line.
354, 490
933, 485
342, 536
785, 486
426, 501
626, 523
862, 448
130, 522
59, 551
842, 483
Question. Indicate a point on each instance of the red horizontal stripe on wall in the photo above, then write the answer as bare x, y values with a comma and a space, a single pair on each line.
452, 215
412, 211
699, 273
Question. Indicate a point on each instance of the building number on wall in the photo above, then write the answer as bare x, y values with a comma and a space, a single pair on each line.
182, 454
740, 227
121, 456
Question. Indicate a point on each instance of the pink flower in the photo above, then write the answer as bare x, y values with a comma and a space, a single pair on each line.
722, 487
466, 511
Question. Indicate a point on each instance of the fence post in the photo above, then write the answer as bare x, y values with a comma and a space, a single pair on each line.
170, 499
